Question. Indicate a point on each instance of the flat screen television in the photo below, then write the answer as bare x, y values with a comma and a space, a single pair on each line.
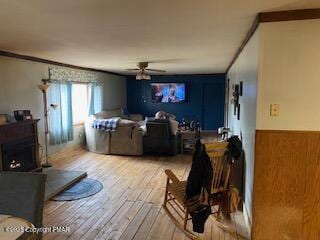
168, 92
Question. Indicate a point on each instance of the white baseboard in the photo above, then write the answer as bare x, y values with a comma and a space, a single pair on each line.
247, 219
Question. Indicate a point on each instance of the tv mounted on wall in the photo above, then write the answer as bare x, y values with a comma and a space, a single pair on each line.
168, 92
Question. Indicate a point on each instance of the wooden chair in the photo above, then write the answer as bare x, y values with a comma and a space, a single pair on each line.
175, 189
221, 173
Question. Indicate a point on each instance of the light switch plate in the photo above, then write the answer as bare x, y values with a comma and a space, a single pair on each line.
274, 109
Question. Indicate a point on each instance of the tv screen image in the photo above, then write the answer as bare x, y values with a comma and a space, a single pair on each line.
168, 92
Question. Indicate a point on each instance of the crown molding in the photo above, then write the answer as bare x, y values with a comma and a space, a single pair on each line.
46, 61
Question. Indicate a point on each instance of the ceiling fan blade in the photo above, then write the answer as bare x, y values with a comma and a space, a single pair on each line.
155, 70
132, 69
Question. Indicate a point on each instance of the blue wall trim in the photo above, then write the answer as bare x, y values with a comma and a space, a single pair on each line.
205, 98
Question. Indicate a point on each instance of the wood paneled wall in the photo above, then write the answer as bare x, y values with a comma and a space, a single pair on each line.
286, 198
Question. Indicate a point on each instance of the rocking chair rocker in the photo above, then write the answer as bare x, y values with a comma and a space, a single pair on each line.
175, 189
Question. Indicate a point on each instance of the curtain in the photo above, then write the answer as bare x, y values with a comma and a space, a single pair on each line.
60, 119
95, 99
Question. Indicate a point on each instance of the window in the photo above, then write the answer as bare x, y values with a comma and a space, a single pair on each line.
79, 102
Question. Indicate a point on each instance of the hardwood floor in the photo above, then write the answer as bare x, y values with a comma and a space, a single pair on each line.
129, 206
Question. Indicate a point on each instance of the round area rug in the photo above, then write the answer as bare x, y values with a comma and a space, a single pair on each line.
82, 189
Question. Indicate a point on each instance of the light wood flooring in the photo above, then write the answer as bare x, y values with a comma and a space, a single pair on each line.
129, 206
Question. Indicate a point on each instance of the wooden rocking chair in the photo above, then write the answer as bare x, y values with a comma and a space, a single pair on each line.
175, 189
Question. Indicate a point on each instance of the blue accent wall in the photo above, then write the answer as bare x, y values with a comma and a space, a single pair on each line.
205, 98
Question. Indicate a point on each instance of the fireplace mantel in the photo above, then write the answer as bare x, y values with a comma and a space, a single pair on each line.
18, 132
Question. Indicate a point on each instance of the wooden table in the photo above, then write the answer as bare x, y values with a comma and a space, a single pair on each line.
8, 231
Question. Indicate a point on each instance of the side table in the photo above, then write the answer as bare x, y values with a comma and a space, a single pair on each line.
188, 140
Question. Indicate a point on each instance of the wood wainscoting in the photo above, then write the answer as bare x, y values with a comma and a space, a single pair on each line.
286, 202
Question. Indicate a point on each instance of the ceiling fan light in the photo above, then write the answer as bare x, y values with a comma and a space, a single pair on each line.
142, 71
147, 76
139, 76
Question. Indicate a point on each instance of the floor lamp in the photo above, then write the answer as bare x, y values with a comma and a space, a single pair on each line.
44, 88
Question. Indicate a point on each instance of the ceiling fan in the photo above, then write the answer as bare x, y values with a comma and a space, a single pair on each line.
143, 71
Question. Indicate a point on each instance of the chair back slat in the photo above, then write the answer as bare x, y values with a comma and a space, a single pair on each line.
221, 169
217, 172
226, 178
218, 184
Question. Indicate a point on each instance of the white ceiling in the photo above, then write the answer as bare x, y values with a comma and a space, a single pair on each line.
180, 36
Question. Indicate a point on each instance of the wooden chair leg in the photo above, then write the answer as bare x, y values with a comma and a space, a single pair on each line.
185, 219
166, 194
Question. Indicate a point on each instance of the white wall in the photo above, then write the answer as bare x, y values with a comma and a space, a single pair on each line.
290, 75
18, 90
245, 69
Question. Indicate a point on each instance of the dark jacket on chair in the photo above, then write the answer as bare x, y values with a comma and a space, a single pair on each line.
199, 181
200, 175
